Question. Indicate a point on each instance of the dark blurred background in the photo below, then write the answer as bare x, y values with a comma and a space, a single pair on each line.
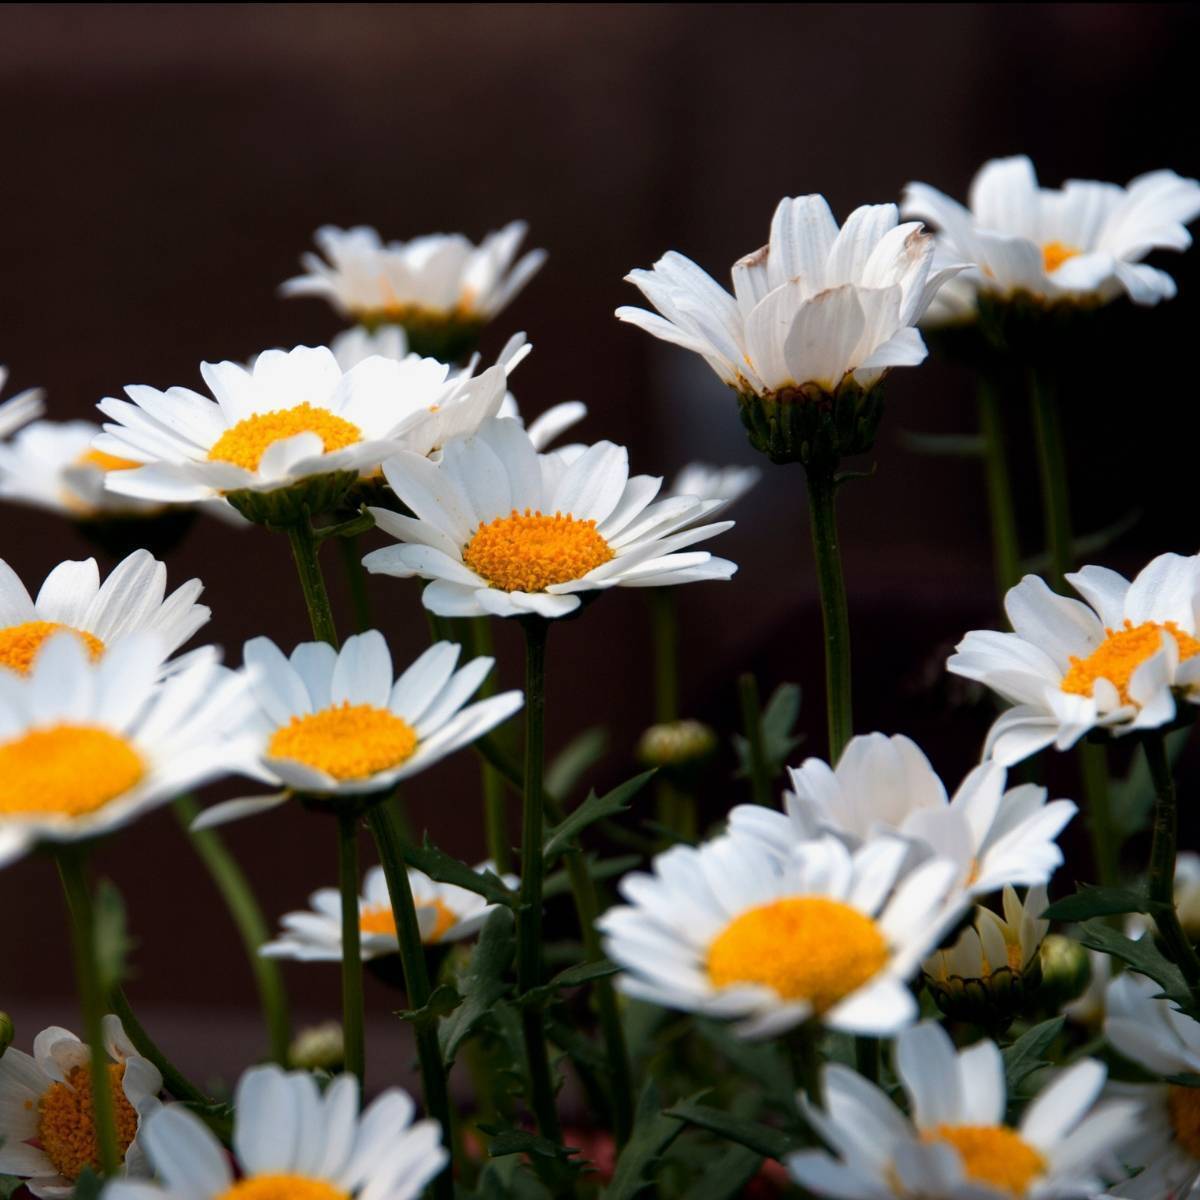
164, 166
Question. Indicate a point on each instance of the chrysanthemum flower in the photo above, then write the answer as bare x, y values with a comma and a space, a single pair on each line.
338, 723
1081, 244
291, 1140
887, 785
1151, 1032
956, 1145
502, 529
47, 1136
85, 747
1118, 662
131, 600
445, 913
732, 930
20, 409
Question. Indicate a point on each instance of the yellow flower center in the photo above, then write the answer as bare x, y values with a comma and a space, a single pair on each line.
19, 644
1054, 254
803, 948
283, 1187
68, 770
992, 1154
380, 919
1183, 1105
245, 443
106, 462
348, 741
66, 1130
528, 552
1121, 653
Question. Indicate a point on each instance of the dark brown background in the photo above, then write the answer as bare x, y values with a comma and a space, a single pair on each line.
163, 167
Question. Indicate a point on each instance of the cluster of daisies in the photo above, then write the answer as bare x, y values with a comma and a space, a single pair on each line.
825, 916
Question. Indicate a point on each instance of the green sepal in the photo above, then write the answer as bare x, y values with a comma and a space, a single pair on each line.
290, 505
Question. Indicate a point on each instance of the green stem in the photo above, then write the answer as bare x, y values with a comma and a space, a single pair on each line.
239, 899
495, 807
1161, 889
92, 1001
356, 582
866, 1057
312, 582
529, 917
834, 614
760, 776
389, 843
1093, 762
352, 966
1052, 466
174, 1079
1005, 547
666, 655
806, 1061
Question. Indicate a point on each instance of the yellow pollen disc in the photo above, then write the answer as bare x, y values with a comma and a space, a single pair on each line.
348, 741
283, 1187
1121, 653
803, 948
65, 1128
106, 462
380, 919
1054, 254
68, 770
1183, 1105
245, 443
528, 552
992, 1154
19, 644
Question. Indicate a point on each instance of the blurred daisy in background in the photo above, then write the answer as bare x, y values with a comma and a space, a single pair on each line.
20, 409
704, 482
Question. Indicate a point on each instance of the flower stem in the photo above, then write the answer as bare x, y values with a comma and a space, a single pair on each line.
760, 780
239, 898
806, 1065
356, 582
312, 582
495, 806
1161, 891
666, 655
834, 615
388, 841
1093, 762
71, 861
174, 1079
352, 966
529, 917
1005, 547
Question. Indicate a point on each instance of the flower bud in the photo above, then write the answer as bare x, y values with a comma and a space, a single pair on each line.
676, 743
7, 1032
318, 1048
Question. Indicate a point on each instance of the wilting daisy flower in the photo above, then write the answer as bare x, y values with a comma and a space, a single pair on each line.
730, 929
887, 785
956, 1145
1153, 1033
338, 723
1082, 243
1118, 662
290, 1139
131, 600
47, 1136
502, 529
726, 484
445, 913
20, 409
87, 747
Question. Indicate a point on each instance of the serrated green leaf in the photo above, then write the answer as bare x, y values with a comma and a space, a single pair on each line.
594, 808
726, 1176
762, 1139
481, 984
439, 865
443, 1000
508, 1140
942, 445
653, 1132
1027, 1053
575, 759
778, 722
1091, 901
1142, 956
111, 934
559, 883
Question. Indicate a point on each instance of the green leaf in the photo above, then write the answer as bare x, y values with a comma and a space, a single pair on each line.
653, 1132
594, 808
88, 1186
508, 1140
725, 1177
1142, 956
942, 445
439, 865
509, 1179
559, 883
1027, 1053
442, 1002
575, 759
1132, 798
112, 937
8, 1185
778, 725
762, 1139
481, 984
1091, 901
570, 977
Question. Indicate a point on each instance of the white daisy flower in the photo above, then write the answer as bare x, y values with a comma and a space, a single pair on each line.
291, 1139
47, 1136
20, 409
994, 943
813, 306
1082, 243
293, 415
353, 345
131, 600
1118, 662
726, 484
955, 1145
1151, 1032
546, 427
338, 723
732, 930
886, 785
86, 747
445, 913
436, 277
502, 529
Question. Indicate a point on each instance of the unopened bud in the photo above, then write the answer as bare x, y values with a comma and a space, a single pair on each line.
318, 1048
1066, 970
676, 743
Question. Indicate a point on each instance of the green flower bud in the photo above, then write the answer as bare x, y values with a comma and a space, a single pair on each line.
1066, 971
289, 505
318, 1048
676, 743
